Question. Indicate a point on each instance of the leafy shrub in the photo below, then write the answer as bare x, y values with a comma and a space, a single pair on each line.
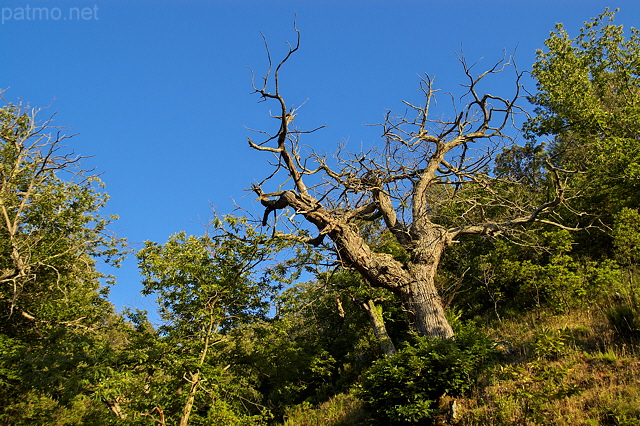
405, 388
626, 236
549, 343
624, 318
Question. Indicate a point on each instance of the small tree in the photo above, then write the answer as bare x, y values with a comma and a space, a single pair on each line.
55, 317
50, 227
429, 182
206, 286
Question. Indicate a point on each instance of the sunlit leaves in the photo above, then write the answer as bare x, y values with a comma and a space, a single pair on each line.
51, 228
207, 286
626, 233
54, 311
588, 100
195, 277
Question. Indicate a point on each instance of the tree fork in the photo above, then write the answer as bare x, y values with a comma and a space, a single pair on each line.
430, 172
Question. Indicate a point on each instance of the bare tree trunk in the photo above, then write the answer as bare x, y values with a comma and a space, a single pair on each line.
413, 283
188, 406
379, 329
374, 313
420, 296
195, 377
423, 303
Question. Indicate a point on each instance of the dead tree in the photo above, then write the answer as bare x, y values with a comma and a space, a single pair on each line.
429, 182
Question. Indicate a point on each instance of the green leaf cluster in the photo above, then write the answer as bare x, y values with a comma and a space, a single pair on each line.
588, 101
405, 388
54, 334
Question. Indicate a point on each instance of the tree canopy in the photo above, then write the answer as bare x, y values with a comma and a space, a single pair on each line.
588, 102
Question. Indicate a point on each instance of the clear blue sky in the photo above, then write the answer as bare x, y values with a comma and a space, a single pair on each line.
160, 91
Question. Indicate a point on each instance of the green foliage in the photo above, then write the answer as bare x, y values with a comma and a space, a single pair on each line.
53, 346
623, 315
549, 343
309, 351
207, 287
524, 164
340, 410
196, 277
505, 278
588, 84
404, 388
626, 236
538, 384
589, 100
51, 230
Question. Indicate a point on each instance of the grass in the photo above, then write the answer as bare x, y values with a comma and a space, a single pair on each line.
569, 369
340, 410
579, 388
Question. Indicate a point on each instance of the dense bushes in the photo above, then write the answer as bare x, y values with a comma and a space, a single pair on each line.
406, 388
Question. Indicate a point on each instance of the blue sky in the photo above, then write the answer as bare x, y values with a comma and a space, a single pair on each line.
160, 91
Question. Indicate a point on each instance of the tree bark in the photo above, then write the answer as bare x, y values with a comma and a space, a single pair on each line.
413, 283
379, 329
188, 406
423, 303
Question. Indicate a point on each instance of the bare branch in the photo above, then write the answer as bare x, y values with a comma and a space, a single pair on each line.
429, 180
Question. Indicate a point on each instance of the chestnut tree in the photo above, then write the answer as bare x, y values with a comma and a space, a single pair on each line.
429, 182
